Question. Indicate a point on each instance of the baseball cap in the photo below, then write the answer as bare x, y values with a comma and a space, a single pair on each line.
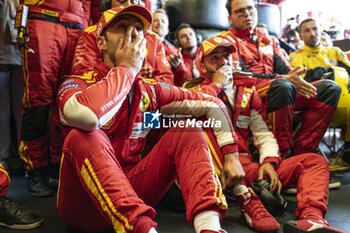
212, 43
138, 11
209, 45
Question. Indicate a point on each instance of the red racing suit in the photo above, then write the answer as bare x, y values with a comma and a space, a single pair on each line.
262, 56
87, 55
307, 172
185, 70
53, 28
169, 48
102, 167
4, 181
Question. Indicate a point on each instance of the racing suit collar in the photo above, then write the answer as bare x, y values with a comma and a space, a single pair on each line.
313, 49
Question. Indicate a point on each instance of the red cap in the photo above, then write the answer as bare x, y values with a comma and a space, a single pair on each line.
212, 43
138, 11
209, 45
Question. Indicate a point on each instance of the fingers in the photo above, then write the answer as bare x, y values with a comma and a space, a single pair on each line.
223, 181
279, 186
306, 89
128, 36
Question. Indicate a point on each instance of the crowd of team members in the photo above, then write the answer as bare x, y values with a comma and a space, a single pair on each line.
124, 66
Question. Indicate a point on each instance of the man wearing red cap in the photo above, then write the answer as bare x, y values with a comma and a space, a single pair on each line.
308, 172
87, 54
104, 183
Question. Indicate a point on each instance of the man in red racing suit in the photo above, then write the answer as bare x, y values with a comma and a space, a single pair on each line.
307, 172
156, 65
283, 90
104, 183
53, 28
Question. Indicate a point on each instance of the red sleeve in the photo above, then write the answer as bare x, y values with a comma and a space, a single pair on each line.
181, 74
99, 100
86, 53
210, 89
162, 70
197, 105
87, 11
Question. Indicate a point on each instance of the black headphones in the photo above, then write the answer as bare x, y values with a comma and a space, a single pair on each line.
185, 25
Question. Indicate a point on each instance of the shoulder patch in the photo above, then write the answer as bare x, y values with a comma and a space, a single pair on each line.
91, 29
89, 77
149, 81
249, 89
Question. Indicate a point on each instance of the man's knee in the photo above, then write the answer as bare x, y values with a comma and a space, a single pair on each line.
328, 92
281, 93
80, 140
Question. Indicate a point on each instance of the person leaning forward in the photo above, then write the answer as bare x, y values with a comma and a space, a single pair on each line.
104, 184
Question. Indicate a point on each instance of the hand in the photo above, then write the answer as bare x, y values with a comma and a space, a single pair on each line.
175, 59
232, 173
269, 170
131, 50
223, 76
146, 71
303, 87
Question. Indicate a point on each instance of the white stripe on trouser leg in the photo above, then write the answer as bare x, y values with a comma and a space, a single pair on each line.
152, 230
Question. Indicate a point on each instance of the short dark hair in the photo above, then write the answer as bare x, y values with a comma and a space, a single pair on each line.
304, 22
229, 3
182, 25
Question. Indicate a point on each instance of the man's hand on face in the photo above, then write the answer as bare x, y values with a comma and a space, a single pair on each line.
223, 76
303, 87
232, 172
131, 50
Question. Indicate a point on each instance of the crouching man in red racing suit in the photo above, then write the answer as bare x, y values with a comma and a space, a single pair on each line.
307, 172
104, 183
156, 65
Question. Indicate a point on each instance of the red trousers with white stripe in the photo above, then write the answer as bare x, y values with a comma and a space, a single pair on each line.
307, 172
95, 194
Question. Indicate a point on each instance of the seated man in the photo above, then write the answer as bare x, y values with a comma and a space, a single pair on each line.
155, 66
104, 183
318, 59
181, 60
11, 214
183, 63
282, 89
160, 26
308, 172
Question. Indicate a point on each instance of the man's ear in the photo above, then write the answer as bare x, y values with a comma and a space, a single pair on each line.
202, 68
229, 19
101, 43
